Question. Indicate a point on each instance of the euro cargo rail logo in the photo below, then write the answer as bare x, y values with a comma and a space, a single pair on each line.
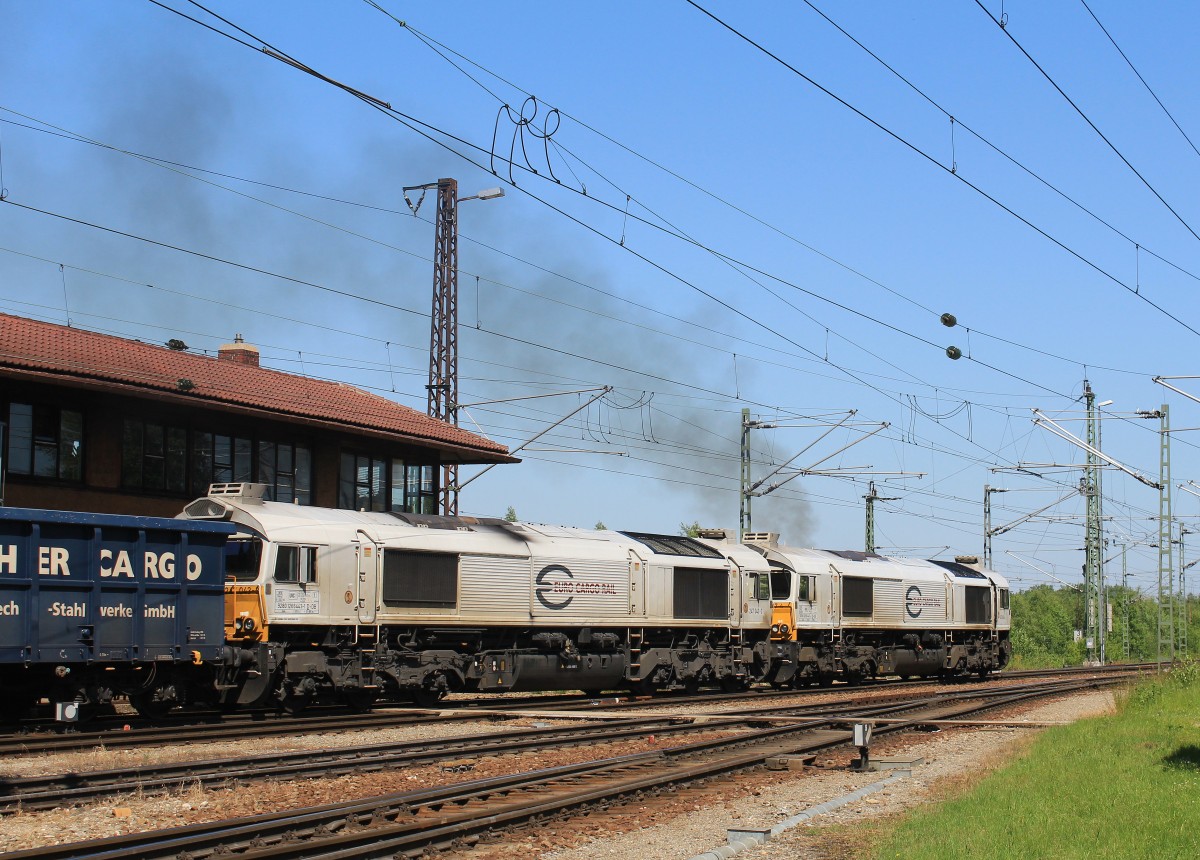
915, 602
550, 588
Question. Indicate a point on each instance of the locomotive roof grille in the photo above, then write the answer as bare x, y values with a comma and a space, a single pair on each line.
959, 570
853, 554
459, 524
675, 545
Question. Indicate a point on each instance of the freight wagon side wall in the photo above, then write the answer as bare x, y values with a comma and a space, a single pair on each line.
95, 588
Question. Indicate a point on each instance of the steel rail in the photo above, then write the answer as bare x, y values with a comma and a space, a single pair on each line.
45, 792
272, 725
411, 821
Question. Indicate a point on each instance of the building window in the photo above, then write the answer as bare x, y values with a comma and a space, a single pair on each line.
202, 463
168, 459
379, 484
154, 456
421, 491
45, 442
286, 469
362, 483
231, 459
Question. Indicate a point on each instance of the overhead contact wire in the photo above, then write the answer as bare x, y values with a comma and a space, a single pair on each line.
1096, 267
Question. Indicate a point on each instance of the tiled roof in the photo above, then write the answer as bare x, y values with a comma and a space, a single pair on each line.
76, 354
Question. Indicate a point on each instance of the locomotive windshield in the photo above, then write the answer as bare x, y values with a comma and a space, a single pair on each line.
242, 556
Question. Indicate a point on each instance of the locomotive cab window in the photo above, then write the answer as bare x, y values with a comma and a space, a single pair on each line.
857, 596
806, 588
1004, 598
762, 586
781, 584
295, 563
242, 557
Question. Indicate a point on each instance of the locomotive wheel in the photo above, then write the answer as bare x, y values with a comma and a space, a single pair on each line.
359, 700
644, 687
294, 704
731, 684
691, 686
427, 698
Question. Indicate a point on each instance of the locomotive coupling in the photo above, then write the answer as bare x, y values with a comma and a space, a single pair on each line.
237, 657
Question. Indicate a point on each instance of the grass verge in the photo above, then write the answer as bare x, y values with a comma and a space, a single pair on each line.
1121, 786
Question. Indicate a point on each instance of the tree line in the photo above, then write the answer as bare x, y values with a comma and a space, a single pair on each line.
1047, 625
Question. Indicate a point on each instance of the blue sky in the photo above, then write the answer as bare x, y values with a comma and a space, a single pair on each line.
688, 221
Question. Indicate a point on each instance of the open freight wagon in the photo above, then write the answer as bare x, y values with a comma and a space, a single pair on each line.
94, 606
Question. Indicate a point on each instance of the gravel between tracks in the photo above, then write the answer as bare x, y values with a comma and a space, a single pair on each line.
951, 758
191, 804
674, 826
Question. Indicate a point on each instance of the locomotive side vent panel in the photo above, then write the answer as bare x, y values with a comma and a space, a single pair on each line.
701, 593
421, 580
857, 596
979, 605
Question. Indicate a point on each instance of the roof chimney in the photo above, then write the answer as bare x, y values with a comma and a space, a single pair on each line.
239, 351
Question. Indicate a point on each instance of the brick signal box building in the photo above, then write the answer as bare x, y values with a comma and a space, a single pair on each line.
101, 423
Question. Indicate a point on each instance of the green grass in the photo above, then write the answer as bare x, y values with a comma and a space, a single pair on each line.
1122, 786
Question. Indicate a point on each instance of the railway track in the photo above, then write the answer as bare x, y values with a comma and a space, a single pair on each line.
271, 724
410, 822
55, 790
51, 791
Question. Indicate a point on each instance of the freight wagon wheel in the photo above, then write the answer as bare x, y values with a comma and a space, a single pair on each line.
14, 706
150, 707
